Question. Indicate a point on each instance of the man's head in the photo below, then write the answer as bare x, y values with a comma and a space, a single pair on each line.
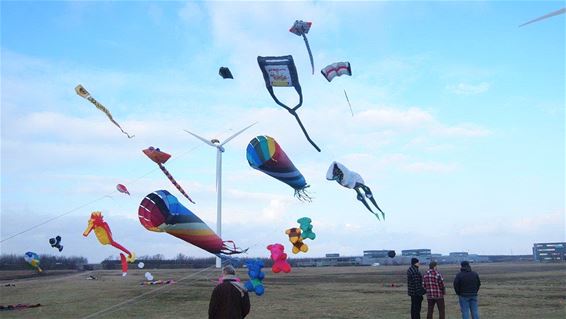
432, 265
414, 262
465, 264
229, 270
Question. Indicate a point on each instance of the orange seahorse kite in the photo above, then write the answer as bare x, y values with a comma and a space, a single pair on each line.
104, 235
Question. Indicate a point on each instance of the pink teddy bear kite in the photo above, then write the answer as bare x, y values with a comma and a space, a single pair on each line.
279, 258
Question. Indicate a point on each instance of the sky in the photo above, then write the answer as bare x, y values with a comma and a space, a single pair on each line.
458, 124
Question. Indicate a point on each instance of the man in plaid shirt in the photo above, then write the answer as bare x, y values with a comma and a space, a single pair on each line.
435, 290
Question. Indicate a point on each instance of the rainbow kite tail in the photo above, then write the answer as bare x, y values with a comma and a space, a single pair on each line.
174, 182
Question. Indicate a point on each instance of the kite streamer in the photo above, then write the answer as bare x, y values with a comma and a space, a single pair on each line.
301, 28
81, 91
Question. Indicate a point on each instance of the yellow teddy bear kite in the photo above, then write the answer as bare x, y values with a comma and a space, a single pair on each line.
296, 240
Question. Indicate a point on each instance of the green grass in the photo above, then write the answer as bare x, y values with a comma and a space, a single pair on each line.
509, 290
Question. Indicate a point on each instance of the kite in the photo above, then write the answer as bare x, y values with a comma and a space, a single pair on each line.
301, 28
546, 16
280, 71
104, 235
225, 73
56, 243
279, 258
162, 212
82, 92
160, 158
391, 254
33, 260
306, 228
336, 69
353, 180
265, 154
122, 189
255, 284
296, 239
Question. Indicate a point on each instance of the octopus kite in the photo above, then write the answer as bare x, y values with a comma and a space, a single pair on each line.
350, 179
162, 212
104, 235
82, 92
159, 157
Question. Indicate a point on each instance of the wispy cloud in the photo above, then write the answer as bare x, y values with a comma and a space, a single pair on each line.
468, 89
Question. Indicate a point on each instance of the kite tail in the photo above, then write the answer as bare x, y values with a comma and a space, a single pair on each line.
292, 111
229, 248
124, 264
108, 114
310, 53
174, 182
131, 256
347, 99
303, 195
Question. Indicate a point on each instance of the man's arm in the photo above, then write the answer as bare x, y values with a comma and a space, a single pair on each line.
479, 282
457, 285
245, 305
213, 305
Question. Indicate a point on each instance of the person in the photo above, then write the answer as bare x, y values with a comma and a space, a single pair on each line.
230, 299
415, 288
466, 285
435, 290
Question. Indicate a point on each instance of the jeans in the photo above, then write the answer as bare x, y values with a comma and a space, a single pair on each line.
467, 305
439, 303
416, 302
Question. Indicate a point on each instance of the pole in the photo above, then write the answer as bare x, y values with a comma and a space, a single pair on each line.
219, 198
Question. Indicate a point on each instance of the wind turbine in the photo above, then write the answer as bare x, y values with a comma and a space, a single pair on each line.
219, 150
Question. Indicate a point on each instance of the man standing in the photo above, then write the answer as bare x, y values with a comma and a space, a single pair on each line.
230, 299
435, 290
466, 285
415, 288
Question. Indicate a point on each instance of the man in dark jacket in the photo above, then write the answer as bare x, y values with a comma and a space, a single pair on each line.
415, 288
230, 299
466, 285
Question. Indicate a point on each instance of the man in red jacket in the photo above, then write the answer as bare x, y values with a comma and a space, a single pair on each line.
435, 290
230, 299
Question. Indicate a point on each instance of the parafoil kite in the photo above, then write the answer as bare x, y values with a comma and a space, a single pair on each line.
56, 243
104, 236
546, 16
280, 71
122, 189
336, 69
159, 157
82, 92
225, 73
162, 212
301, 28
33, 260
391, 254
265, 154
353, 180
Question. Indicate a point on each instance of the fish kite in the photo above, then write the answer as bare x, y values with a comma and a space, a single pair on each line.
280, 71
225, 73
56, 243
265, 155
33, 260
122, 189
104, 235
336, 69
546, 16
159, 157
162, 212
350, 179
82, 92
301, 28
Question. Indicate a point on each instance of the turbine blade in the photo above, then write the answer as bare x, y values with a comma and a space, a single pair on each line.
237, 133
201, 138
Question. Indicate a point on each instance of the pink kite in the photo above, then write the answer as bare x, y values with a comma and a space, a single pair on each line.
122, 189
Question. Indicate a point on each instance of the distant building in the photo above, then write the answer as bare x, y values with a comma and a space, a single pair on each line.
332, 255
416, 253
458, 254
376, 253
549, 252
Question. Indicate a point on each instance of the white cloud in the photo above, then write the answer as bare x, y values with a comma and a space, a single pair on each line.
468, 89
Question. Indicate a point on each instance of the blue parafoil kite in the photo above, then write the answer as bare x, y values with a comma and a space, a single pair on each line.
264, 154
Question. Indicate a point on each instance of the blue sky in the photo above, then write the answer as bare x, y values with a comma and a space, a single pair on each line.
458, 125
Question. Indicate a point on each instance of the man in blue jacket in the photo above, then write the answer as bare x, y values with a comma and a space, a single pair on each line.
415, 288
466, 285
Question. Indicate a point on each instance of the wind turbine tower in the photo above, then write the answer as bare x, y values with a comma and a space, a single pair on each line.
219, 150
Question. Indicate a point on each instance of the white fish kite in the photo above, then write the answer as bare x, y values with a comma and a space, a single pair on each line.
82, 92
301, 28
546, 16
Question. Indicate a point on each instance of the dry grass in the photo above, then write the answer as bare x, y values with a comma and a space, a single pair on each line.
525, 290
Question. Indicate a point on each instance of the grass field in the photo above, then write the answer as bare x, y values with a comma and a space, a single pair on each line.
509, 290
